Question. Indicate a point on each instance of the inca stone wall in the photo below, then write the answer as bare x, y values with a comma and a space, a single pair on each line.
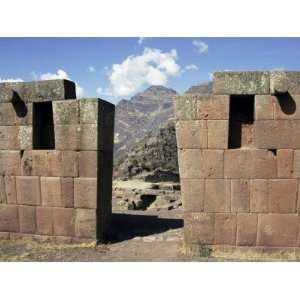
239, 160
55, 162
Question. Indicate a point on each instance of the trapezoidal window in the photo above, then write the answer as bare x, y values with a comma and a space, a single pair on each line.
241, 119
43, 126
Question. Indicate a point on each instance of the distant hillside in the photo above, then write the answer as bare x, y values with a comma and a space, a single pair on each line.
203, 88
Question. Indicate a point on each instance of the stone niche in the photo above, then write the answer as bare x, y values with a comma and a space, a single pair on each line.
239, 161
56, 156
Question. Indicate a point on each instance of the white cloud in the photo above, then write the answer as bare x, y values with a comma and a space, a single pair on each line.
141, 40
211, 76
61, 74
191, 67
200, 46
101, 92
11, 80
152, 67
91, 69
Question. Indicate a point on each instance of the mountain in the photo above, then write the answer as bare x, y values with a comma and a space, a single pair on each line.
202, 88
142, 113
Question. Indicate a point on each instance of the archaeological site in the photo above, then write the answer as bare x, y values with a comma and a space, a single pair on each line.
239, 161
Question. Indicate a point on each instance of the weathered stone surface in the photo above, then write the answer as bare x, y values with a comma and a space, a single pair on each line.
27, 217
23, 113
37, 90
67, 191
64, 221
199, 228
88, 163
285, 163
286, 107
89, 111
85, 192
202, 107
7, 114
296, 165
194, 163
276, 134
259, 190
25, 137
240, 195
246, 229
225, 229
241, 83
282, 195
257, 163
10, 188
263, 108
66, 112
9, 137
9, 218
277, 230
217, 195
44, 220
2, 190
89, 137
285, 81
28, 190
85, 223
67, 137
191, 134
217, 134
192, 193
10, 162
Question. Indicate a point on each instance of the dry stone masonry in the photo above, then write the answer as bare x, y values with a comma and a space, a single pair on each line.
55, 162
239, 161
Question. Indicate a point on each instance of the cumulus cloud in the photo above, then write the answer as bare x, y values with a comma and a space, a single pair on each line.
11, 80
91, 69
61, 74
152, 67
191, 67
200, 46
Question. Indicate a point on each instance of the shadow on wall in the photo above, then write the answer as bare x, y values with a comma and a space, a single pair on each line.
287, 103
128, 226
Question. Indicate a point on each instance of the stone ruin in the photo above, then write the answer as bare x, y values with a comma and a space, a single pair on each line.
239, 161
56, 155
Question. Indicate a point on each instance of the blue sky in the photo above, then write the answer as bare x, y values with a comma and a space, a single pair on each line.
175, 62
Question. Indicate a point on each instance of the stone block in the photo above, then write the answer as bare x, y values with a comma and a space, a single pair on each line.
85, 223
11, 190
27, 217
85, 192
66, 112
25, 137
217, 134
88, 163
282, 195
23, 113
192, 193
225, 229
285, 81
285, 163
89, 111
240, 195
277, 230
28, 190
70, 164
202, 107
64, 221
276, 134
7, 114
199, 228
264, 107
89, 137
296, 164
259, 195
34, 163
10, 162
217, 195
191, 134
2, 190
257, 163
9, 218
241, 83
44, 220
286, 107
67, 191
9, 138
67, 137
195, 163
37, 91
246, 229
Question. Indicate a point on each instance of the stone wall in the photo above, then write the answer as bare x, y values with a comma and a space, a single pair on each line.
239, 161
55, 162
